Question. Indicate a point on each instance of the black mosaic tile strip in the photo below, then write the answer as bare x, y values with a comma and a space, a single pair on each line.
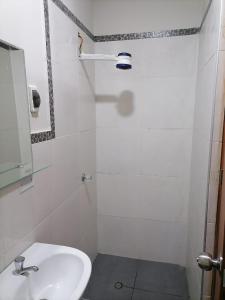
206, 13
122, 37
7, 46
47, 135
146, 35
73, 18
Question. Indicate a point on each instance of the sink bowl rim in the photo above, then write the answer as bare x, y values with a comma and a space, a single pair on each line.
40, 252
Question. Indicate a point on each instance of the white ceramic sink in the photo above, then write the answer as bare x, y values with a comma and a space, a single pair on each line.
63, 275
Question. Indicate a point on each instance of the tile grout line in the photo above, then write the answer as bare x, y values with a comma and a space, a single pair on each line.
158, 293
133, 289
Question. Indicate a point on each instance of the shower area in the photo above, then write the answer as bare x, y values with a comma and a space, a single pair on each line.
153, 137
133, 95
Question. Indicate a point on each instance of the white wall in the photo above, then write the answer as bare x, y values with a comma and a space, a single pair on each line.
144, 137
58, 208
32, 39
145, 15
201, 149
83, 10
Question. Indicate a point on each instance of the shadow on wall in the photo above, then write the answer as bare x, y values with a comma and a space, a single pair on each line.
88, 76
124, 102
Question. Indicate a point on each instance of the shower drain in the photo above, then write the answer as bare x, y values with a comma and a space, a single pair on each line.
118, 285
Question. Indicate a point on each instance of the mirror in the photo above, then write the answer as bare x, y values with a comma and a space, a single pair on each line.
15, 140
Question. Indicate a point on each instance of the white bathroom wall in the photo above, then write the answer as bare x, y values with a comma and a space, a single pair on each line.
136, 16
207, 134
83, 10
57, 207
32, 39
144, 138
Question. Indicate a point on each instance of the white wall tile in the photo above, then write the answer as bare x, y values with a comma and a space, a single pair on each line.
86, 94
167, 102
17, 216
42, 155
156, 198
66, 174
158, 233
205, 95
66, 222
87, 150
88, 199
118, 236
41, 233
166, 152
64, 36
42, 195
150, 58
118, 104
118, 151
142, 238
209, 37
144, 135
65, 76
66, 100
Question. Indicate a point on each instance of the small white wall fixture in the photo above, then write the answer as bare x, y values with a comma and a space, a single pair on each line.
123, 59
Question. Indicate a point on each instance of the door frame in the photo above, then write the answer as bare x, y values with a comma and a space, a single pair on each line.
219, 239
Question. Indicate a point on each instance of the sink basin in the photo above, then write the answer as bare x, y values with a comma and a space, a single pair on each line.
63, 275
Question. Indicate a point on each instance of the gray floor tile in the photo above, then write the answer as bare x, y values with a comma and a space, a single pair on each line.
100, 291
114, 268
142, 295
156, 281
161, 277
107, 270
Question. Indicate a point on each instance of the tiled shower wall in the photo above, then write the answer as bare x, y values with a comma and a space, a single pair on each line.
144, 138
217, 12
58, 208
205, 161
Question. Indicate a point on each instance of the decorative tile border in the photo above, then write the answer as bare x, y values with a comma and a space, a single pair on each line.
146, 35
73, 18
206, 13
7, 46
47, 135
122, 37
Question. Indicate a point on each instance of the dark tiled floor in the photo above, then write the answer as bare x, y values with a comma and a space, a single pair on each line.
136, 280
144, 295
